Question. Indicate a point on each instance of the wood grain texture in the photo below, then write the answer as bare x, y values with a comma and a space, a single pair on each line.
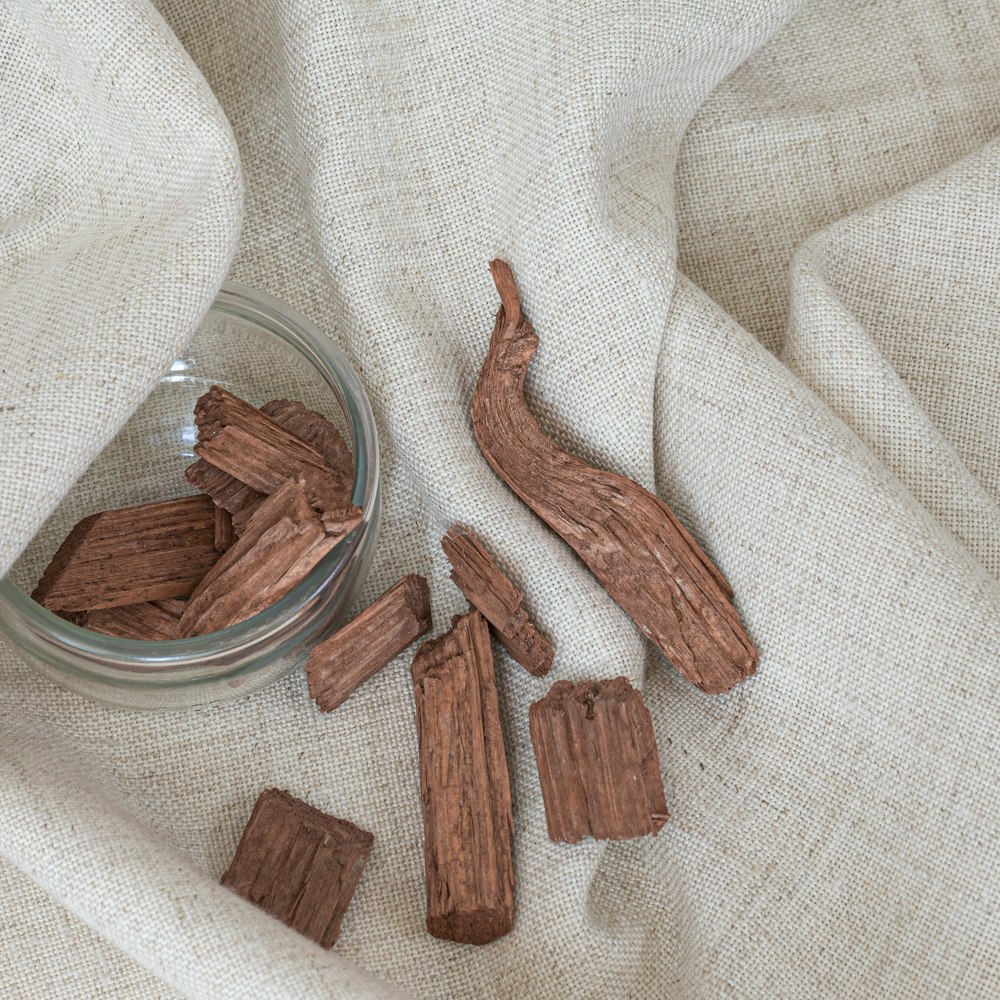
488, 589
286, 537
129, 555
597, 762
318, 433
148, 621
299, 864
465, 787
248, 453
224, 534
339, 665
629, 538
238, 438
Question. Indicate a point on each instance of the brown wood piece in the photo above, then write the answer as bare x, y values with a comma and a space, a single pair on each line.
299, 864
338, 666
254, 451
465, 787
318, 433
175, 607
258, 463
224, 534
629, 538
150, 552
226, 490
287, 536
488, 589
147, 621
597, 762
238, 438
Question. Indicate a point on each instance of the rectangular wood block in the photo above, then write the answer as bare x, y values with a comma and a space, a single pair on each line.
150, 552
339, 665
299, 864
597, 761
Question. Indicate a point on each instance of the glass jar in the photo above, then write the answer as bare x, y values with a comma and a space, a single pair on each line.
258, 348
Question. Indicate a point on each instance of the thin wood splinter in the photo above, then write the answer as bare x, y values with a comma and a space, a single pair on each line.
629, 538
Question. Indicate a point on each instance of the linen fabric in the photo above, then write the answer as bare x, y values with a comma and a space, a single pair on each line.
759, 242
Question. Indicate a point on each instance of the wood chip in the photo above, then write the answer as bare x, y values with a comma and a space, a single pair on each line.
299, 864
465, 786
338, 666
147, 621
130, 555
318, 433
224, 534
287, 536
226, 490
241, 440
597, 762
628, 537
173, 607
250, 459
256, 462
488, 589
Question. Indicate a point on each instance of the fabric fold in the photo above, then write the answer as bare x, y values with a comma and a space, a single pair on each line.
122, 205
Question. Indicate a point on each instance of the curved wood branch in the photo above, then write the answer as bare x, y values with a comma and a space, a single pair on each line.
629, 538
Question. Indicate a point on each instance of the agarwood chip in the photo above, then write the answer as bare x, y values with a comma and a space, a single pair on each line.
224, 534
299, 864
256, 462
320, 434
287, 536
597, 761
147, 621
629, 538
338, 666
174, 608
153, 551
465, 787
487, 588
241, 440
226, 490
243, 453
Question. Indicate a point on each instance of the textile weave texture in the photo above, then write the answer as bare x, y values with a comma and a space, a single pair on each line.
759, 241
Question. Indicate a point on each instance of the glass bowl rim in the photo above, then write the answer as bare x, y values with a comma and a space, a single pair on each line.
137, 657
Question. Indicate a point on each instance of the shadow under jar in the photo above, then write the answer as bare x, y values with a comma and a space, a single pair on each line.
254, 346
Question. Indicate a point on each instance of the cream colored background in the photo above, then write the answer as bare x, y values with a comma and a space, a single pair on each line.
760, 244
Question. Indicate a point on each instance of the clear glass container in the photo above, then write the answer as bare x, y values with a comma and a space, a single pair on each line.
256, 347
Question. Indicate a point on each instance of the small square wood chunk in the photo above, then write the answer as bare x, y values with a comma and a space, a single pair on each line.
299, 864
597, 762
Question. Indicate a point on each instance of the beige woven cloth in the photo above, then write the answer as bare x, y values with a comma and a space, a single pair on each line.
760, 244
